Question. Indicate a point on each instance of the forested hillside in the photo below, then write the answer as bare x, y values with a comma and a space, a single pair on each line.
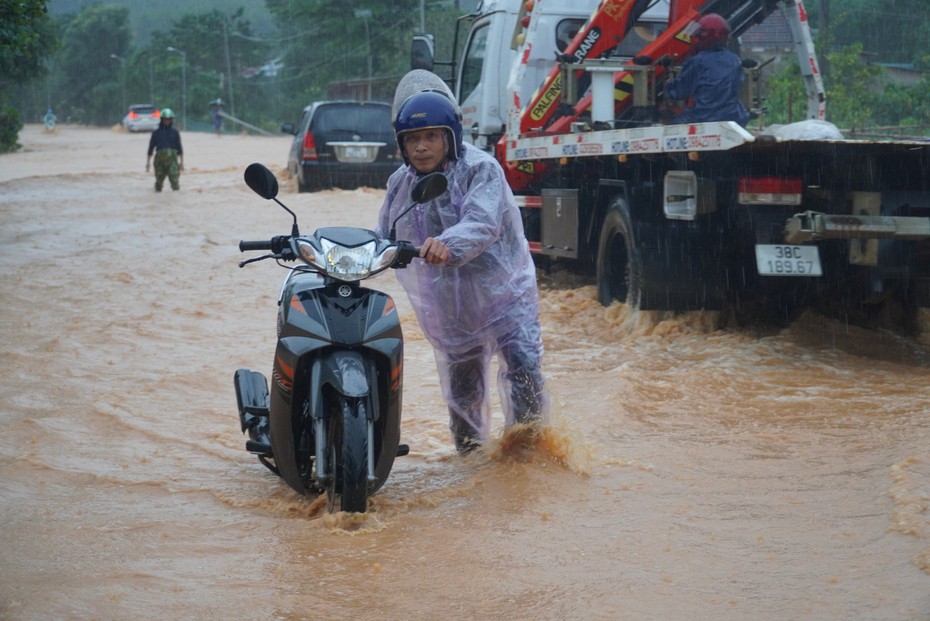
266, 59
147, 16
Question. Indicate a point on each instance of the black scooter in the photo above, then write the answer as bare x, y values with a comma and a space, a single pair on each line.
332, 418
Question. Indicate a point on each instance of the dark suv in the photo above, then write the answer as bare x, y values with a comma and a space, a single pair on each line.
343, 144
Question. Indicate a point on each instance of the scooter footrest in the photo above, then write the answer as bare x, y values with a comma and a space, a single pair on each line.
259, 448
252, 397
403, 449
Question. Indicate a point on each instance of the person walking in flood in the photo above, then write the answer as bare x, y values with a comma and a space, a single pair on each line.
50, 120
216, 113
475, 291
165, 143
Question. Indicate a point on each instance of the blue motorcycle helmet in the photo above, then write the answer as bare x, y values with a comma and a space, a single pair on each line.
429, 110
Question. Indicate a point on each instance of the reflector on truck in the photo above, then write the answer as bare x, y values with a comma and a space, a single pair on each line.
769, 191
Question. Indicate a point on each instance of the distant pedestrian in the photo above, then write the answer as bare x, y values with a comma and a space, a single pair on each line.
50, 120
215, 110
165, 143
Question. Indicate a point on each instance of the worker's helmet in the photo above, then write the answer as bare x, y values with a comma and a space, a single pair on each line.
713, 30
167, 113
428, 110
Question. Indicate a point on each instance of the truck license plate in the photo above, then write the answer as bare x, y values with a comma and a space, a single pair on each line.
784, 260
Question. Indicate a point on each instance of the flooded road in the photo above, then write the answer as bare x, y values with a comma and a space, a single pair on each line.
693, 472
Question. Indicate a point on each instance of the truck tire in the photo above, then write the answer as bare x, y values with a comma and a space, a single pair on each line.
619, 266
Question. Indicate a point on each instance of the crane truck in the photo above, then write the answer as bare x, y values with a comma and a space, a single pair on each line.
569, 95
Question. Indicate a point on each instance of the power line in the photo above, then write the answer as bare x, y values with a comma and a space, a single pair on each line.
275, 40
307, 71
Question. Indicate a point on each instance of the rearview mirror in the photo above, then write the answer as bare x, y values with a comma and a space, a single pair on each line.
261, 180
426, 189
421, 52
429, 187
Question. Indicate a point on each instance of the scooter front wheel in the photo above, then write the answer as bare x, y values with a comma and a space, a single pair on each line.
347, 444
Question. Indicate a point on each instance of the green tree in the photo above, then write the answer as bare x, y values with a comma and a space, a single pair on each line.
26, 41
859, 96
324, 41
88, 77
785, 97
851, 87
319, 42
907, 107
890, 32
216, 48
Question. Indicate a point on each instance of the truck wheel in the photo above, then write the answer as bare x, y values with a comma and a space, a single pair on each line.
619, 267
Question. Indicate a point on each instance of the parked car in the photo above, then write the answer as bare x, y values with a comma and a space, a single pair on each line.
343, 144
142, 118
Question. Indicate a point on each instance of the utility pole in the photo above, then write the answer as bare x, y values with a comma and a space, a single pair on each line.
823, 20
365, 14
122, 76
183, 85
232, 101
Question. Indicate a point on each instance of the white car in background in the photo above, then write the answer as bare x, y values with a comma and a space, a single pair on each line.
142, 118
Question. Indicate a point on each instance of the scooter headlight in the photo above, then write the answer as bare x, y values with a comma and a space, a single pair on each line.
347, 263
355, 263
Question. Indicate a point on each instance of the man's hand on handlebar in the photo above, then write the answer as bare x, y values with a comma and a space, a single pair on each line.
434, 251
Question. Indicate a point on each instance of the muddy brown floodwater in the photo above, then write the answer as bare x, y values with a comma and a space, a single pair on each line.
692, 472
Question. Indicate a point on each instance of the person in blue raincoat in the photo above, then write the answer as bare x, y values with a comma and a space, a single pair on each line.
50, 120
475, 292
712, 77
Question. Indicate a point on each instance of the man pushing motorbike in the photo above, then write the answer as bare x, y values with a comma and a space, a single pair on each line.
475, 292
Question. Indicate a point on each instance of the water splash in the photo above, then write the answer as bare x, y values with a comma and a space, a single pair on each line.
557, 442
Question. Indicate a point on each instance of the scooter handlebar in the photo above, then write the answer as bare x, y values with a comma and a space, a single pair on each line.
281, 247
406, 253
279, 244
245, 246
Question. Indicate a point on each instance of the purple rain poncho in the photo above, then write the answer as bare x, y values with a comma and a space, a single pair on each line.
488, 287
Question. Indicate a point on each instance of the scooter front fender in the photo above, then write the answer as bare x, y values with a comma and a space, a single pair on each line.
344, 370
327, 371
354, 374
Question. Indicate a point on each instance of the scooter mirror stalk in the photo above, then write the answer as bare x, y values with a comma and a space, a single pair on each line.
426, 189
